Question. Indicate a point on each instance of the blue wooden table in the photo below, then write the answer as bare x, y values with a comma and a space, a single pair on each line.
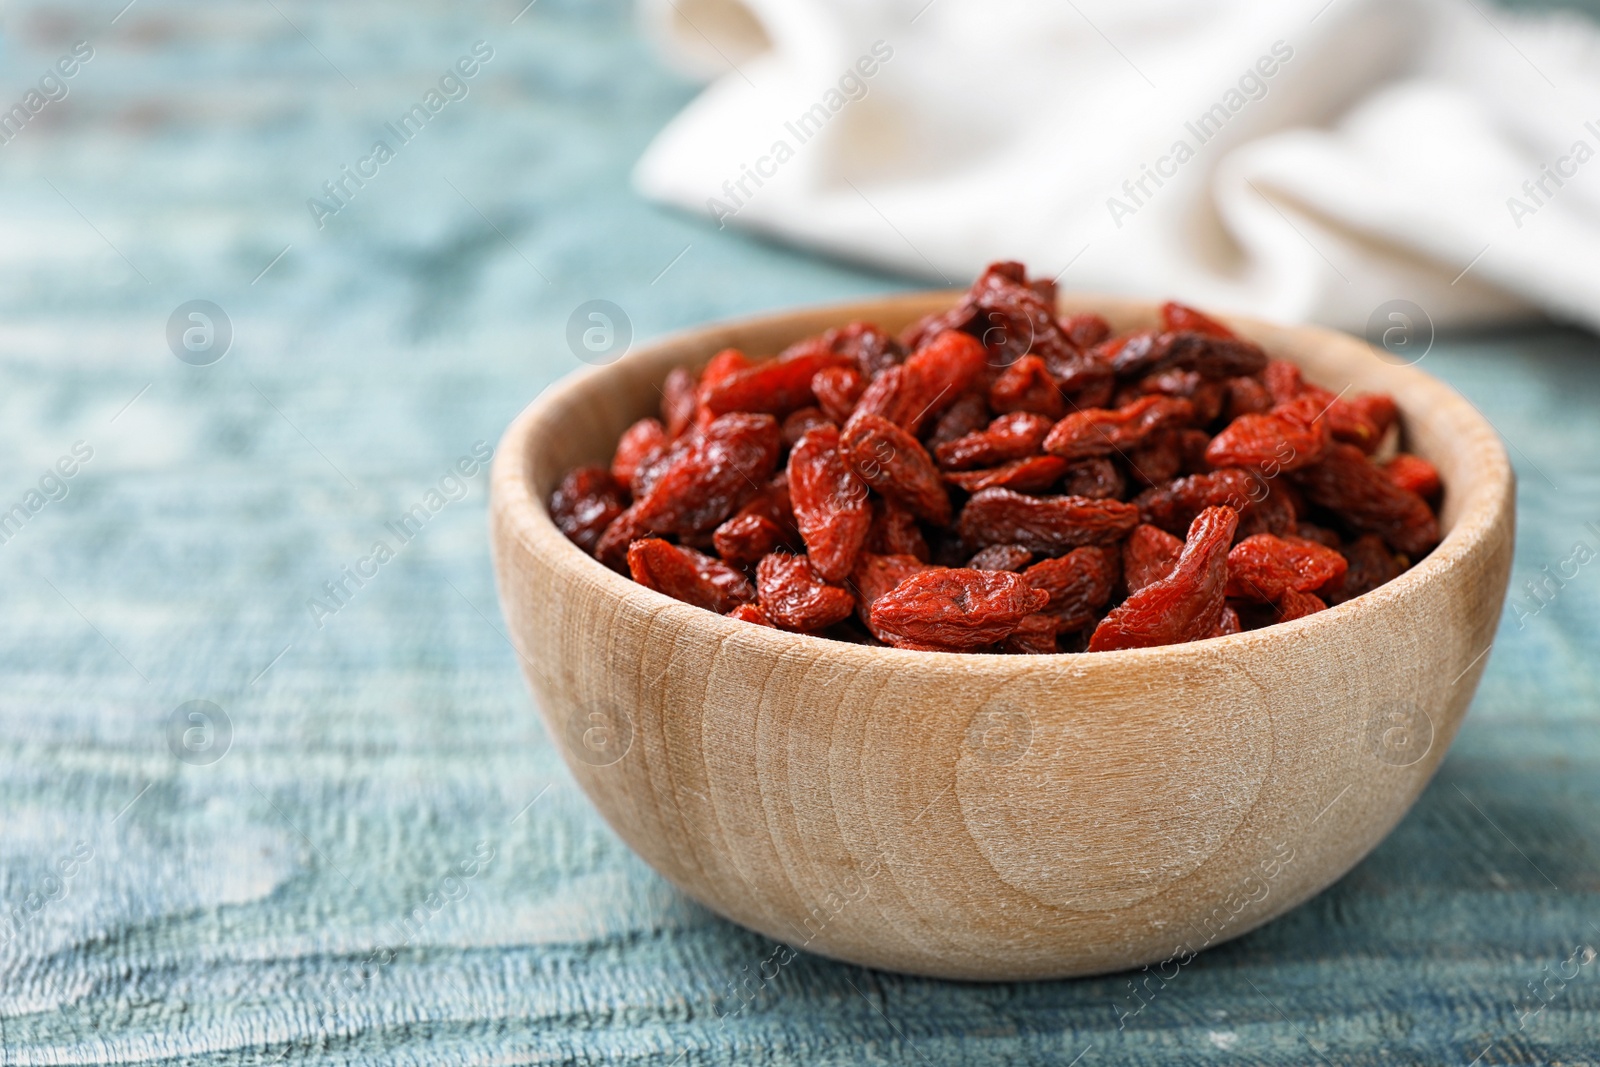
267, 798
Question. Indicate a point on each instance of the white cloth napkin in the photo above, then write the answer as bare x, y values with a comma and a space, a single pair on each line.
1357, 152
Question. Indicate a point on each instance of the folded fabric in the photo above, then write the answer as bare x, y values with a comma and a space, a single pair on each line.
1298, 160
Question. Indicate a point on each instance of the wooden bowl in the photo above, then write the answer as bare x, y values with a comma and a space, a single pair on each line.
986, 816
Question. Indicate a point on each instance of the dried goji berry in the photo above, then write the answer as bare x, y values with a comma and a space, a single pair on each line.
643, 439
837, 389
1246, 396
1287, 438
723, 365
722, 466
1079, 585
749, 613
776, 387
1009, 437
1263, 567
678, 401
1174, 506
956, 608
1102, 431
585, 503
1157, 459
1099, 478
763, 525
1371, 565
612, 548
830, 503
895, 464
1228, 624
795, 597
1026, 385
799, 423
1176, 316
1035, 635
1032, 475
1050, 524
686, 575
1187, 604
873, 350
875, 575
1148, 555
1086, 330
1283, 380
1148, 352
1000, 558
934, 376
1414, 473
1297, 605
1348, 483
894, 531
969, 414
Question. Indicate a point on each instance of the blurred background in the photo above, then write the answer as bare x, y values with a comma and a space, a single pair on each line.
253, 810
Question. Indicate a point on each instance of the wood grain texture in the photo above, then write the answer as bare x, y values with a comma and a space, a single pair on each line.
995, 817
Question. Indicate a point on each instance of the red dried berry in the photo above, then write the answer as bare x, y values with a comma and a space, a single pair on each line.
969, 414
1086, 330
716, 471
1000, 558
1026, 385
1371, 565
585, 503
777, 386
1102, 431
895, 464
612, 548
1228, 624
1283, 380
795, 597
837, 389
1187, 604
686, 575
1148, 555
1099, 478
1415, 474
1245, 396
1079, 585
1174, 506
1158, 459
875, 575
1289, 437
1147, 352
895, 532
799, 423
956, 608
678, 400
935, 375
1264, 567
873, 350
1015, 436
1176, 316
1051, 524
762, 526
750, 613
641, 441
1032, 475
1297, 605
1034, 636
830, 503
1348, 483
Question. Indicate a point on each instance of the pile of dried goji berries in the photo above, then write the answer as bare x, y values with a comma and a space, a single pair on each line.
999, 479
